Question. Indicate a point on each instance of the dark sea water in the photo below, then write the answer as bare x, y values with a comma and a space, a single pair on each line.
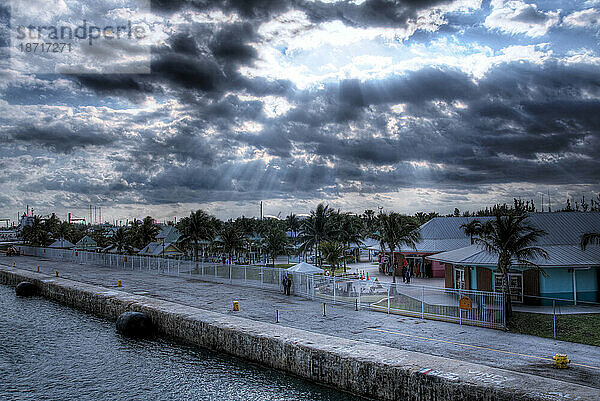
52, 352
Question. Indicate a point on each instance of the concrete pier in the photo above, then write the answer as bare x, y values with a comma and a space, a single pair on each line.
366, 369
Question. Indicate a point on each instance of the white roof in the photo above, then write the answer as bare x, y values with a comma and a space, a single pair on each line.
62, 243
304, 267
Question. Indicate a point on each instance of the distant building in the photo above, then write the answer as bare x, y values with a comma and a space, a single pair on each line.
86, 244
568, 273
165, 243
26, 221
8, 235
439, 234
167, 249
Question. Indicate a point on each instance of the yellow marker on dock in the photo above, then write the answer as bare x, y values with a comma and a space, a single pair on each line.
57, 273
236, 306
561, 361
119, 283
38, 269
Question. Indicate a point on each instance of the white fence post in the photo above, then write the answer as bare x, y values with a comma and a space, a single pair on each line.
359, 291
388, 298
334, 289
422, 302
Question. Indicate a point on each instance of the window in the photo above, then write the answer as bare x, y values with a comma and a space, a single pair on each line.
515, 284
459, 279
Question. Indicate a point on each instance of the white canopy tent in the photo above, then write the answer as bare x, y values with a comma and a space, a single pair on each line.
304, 267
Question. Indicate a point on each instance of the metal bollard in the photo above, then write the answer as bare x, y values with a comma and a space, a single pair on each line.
324, 310
277, 316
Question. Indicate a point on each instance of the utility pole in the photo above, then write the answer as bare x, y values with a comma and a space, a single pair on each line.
542, 202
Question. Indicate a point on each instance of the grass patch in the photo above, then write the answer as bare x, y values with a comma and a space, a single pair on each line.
283, 265
581, 328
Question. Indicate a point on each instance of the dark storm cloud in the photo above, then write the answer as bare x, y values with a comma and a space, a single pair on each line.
419, 86
367, 13
520, 122
381, 13
60, 138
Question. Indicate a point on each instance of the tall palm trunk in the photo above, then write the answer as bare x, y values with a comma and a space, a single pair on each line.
503, 263
393, 267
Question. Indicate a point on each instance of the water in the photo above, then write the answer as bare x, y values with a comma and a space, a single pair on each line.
52, 352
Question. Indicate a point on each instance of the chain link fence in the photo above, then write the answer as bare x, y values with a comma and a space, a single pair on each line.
470, 307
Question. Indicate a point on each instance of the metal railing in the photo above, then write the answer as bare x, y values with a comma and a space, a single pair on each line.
480, 308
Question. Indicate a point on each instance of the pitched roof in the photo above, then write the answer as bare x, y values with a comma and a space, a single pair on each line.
86, 241
562, 228
62, 243
304, 267
157, 249
561, 242
558, 256
168, 234
443, 234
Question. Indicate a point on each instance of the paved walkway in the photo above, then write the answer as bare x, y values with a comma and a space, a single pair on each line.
496, 348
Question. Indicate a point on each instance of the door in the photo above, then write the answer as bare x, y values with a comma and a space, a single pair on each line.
484, 279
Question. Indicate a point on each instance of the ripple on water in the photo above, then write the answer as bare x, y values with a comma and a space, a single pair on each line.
51, 352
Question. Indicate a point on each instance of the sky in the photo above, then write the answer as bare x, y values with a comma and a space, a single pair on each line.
402, 105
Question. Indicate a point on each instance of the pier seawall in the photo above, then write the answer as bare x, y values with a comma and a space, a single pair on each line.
361, 368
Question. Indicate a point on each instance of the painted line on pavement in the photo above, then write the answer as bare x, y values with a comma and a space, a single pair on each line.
477, 347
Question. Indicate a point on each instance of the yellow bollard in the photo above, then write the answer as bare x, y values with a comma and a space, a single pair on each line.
561, 361
236, 306
38, 269
57, 273
119, 283
14, 264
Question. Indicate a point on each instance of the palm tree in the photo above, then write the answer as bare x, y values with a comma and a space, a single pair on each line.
232, 239
275, 242
472, 228
135, 229
350, 231
248, 226
332, 252
422, 218
199, 226
317, 228
147, 231
293, 224
396, 230
511, 238
36, 234
589, 238
369, 221
62, 231
121, 240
